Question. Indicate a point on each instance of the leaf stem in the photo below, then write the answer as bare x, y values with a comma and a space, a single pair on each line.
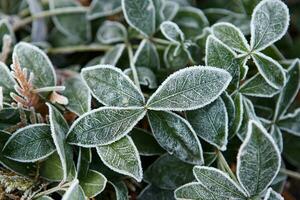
48, 13
52, 190
160, 41
290, 173
225, 166
132, 65
79, 48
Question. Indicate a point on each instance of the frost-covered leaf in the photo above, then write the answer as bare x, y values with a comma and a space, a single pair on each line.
102, 8
189, 89
270, 69
168, 172
258, 160
111, 87
230, 108
258, 87
152, 192
93, 183
276, 134
111, 32
175, 57
59, 129
83, 162
218, 182
78, 95
77, 33
121, 190
5, 29
140, 15
122, 156
176, 136
194, 191
159, 15
191, 21
170, 9
221, 56
231, 36
211, 123
146, 76
272, 195
6, 82
291, 123
112, 56
37, 62
172, 32
270, 21
74, 192
145, 143
104, 126
237, 122
289, 92
33, 142
146, 55
19, 168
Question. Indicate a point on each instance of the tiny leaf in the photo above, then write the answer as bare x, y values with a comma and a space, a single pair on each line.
122, 156
172, 32
111, 32
189, 89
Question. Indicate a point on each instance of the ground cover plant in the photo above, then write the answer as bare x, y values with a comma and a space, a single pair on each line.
149, 99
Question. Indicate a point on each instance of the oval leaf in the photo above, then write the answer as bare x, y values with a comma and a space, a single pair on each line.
111, 32
93, 183
30, 144
194, 191
258, 160
111, 87
122, 156
172, 32
176, 136
270, 21
146, 55
104, 126
6, 82
74, 192
189, 89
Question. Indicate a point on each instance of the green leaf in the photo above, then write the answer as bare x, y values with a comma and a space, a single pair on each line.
221, 56
93, 184
176, 136
290, 91
270, 21
145, 143
152, 192
170, 9
270, 69
140, 15
257, 86
111, 87
79, 32
122, 156
291, 149
146, 55
272, 195
111, 32
168, 172
194, 191
146, 76
172, 32
102, 8
231, 36
19, 168
189, 89
175, 57
78, 95
277, 136
59, 129
191, 21
237, 122
32, 58
6, 82
211, 123
83, 162
291, 123
230, 108
121, 190
112, 56
258, 160
104, 126
33, 142
74, 192
218, 182
5, 29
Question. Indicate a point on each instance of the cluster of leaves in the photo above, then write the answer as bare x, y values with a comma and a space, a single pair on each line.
174, 84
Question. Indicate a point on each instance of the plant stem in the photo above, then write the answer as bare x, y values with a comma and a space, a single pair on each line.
225, 165
79, 48
48, 13
160, 41
132, 66
291, 173
51, 190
